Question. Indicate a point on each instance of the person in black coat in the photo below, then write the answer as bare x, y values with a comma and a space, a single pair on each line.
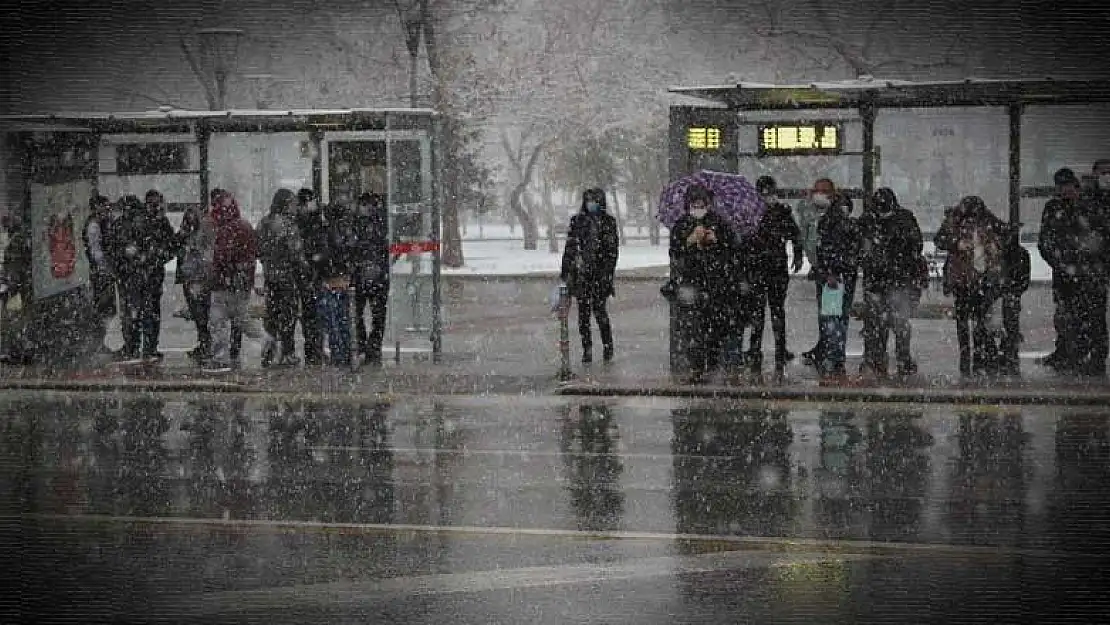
1073, 241
770, 271
703, 252
103, 283
891, 259
310, 222
373, 267
1016, 278
589, 267
838, 247
140, 246
335, 270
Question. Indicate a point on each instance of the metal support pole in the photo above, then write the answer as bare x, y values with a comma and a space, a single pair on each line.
203, 136
438, 144
867, 116
316, 136
563, 313
1015, 111
352, 340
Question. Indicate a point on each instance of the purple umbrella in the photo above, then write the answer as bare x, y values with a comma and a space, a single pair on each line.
734, 198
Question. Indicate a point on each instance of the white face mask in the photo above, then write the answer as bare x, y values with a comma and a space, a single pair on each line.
821, 200
769, 199
699, 213
1104, 181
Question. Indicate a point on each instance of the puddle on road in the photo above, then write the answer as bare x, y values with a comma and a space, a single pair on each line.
1025, 477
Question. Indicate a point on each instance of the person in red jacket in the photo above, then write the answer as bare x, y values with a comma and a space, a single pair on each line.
231, 252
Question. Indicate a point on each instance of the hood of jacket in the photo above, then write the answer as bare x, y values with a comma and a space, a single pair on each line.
226, 210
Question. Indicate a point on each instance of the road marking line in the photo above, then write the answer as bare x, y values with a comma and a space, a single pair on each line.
350, 593
755, 542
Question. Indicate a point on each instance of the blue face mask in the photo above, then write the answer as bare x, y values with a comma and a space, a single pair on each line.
593, 207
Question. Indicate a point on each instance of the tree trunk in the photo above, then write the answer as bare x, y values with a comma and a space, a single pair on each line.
414, 60
527, 224
617, 215
549, 216
653, 221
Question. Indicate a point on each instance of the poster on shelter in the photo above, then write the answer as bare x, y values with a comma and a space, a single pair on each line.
58, 213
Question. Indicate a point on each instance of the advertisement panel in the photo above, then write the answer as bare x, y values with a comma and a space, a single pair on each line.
58, 213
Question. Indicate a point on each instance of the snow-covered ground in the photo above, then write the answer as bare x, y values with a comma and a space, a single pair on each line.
508, 258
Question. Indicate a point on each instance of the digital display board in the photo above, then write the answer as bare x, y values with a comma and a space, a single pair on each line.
703, 138
800, 138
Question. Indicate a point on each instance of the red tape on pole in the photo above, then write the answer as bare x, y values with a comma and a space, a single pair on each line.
414, 247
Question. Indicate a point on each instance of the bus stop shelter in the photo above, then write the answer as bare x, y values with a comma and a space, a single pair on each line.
715, 127
53, 163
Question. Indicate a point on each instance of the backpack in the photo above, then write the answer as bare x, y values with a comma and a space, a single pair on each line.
978, 258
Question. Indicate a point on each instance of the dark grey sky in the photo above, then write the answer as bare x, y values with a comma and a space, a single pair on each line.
82, 48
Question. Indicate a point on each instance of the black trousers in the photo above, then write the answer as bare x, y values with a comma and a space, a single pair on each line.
772, 295
141, 320
1083, 303
374, 295
282, 305
307, 291
593, 305
704, 328
888, 312
1011, 333
198, 299
978, 347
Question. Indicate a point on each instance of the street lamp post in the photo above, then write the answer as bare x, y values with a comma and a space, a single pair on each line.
221, 48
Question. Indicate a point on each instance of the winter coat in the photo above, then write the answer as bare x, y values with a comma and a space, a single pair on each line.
371, 248
768, 246
709, 268
280, 248
231, 249
1018, 270
1074, 239
891, 253
17, 266
838, 245
189, 259
808, 216
314, 238
336, 247
975, 245
95, 241
140, 245
590, 255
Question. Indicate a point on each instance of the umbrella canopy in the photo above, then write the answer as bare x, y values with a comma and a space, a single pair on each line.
734, 198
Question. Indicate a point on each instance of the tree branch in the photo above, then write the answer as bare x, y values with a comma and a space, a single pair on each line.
209, 93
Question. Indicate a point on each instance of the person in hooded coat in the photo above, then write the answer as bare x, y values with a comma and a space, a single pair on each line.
771, 273
589, 267
974, 239
231, 253
141, 244
1074, 241
703, 253
310, 223
891, 259
282, 254
373, 267
190, 275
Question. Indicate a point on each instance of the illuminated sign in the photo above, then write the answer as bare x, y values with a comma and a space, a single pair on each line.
703, 138
800, 138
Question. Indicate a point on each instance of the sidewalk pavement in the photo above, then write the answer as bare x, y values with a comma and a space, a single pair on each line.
501, 339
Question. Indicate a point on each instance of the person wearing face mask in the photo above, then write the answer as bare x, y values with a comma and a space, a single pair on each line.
589, 267
310, 223
810, 210
771, 273
890, 256
1073, 241
704, 253
373, 269
282, 254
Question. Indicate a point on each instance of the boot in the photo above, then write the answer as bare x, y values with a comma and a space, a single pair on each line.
587, 354
607, 353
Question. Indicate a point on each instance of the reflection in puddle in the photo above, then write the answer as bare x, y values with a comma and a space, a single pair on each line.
1022, 478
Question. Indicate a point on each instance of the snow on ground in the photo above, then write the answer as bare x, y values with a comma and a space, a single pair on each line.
508, 258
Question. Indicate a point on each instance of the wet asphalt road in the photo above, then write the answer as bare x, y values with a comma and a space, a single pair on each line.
224, 509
